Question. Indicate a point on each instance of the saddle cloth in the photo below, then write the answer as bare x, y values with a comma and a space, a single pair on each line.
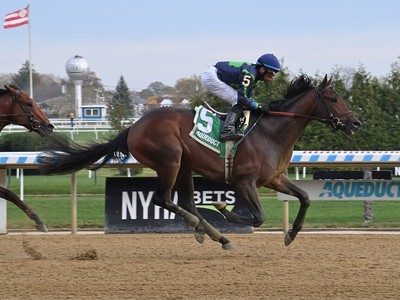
206, 129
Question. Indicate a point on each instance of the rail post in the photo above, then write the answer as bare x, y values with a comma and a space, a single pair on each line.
3, 203
74, 205
285, 216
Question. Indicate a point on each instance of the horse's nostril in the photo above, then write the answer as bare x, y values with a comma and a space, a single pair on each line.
50, 126
357, 124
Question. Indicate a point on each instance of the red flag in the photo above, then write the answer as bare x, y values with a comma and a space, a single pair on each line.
16, 18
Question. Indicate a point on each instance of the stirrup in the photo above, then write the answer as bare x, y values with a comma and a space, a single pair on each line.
230, 136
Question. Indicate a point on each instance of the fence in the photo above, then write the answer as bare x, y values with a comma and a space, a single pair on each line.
28, 160
72, 128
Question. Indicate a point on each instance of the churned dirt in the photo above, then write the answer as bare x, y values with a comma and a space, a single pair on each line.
175, 266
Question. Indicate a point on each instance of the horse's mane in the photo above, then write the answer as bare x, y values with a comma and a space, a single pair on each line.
296, 87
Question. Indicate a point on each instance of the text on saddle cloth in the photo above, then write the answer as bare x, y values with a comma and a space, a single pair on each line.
206, 129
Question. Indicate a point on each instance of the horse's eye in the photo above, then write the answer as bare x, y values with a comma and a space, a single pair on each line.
29, 104
334, 99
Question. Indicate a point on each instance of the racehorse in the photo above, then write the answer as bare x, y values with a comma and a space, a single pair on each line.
160, 140
16, 107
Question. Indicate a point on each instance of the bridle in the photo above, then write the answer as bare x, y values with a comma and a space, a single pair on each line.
333, 120
32, 123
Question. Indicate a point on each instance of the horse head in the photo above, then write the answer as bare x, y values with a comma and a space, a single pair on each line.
334, 110
20, 109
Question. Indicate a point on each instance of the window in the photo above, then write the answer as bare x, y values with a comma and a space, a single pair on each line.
92, 112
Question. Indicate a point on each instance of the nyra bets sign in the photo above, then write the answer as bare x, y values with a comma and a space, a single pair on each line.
129, 208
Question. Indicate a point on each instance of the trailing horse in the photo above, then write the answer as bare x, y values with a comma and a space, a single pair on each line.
17, 108
161, 141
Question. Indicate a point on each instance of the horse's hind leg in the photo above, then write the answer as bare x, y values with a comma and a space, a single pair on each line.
10, 196
162, 197
248, 193
185, 189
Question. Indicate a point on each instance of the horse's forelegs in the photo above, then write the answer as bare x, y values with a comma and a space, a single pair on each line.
10, 196
288, 187
298, 222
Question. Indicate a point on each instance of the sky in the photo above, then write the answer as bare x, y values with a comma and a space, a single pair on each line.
168, 40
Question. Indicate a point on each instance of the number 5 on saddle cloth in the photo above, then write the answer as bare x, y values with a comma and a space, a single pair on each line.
206, 129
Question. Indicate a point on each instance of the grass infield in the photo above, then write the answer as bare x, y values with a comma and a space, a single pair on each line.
49, 196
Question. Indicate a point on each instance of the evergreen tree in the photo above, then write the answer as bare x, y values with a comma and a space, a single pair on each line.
363, 99
21, 79
121, 107
388, 101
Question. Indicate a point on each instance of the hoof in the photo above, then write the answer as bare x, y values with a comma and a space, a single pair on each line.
228, 246
200, 237
219, 204
288, 239
41, 227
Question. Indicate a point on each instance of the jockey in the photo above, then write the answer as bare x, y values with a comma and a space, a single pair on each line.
234, 82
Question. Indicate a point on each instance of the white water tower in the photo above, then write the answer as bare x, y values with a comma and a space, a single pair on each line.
77, 69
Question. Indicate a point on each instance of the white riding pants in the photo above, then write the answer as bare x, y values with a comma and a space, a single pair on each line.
211, 82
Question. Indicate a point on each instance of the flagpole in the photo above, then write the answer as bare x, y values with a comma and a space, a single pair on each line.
30, 53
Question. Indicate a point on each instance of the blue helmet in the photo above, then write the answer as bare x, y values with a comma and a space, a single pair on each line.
269, 61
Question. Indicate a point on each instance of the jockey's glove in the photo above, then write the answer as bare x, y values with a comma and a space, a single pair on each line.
264, 108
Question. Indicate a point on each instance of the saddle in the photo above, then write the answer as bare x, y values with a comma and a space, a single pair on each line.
242, 122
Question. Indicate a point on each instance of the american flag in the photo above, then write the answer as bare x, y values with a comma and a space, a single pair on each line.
16, 18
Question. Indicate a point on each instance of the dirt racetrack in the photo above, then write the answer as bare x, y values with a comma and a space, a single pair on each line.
175, 266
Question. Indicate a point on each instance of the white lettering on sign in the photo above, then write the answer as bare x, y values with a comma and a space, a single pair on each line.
130, 206
396, 171
138, 204
208, 197
207, 119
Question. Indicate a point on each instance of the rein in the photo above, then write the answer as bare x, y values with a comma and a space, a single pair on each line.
334, 121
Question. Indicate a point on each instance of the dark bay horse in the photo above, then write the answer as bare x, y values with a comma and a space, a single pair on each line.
161, 141
16, 107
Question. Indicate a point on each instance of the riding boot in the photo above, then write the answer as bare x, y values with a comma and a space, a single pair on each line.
228, 132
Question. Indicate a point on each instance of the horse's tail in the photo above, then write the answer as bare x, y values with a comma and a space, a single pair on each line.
64, 157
